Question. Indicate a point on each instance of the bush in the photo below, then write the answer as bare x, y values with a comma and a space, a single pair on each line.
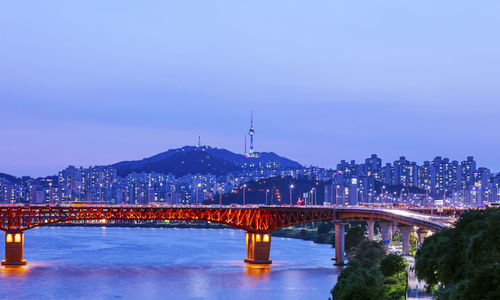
392, 264
395, 286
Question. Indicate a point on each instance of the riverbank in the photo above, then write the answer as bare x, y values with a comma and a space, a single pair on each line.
305, 234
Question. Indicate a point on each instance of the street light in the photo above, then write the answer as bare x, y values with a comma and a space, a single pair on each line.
427, 188
336, 194
50, 184
244, 186
172, 189
198, 187
315, 198
291, 187
382, 195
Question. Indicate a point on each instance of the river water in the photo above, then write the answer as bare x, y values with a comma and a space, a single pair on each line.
156, 263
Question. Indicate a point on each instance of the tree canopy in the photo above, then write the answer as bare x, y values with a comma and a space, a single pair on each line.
392, 264
464, 261
363, 278
354, 236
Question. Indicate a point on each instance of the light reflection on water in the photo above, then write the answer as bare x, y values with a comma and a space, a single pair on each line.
131, 263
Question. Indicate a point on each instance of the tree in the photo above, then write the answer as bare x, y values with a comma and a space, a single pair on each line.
369, 253
464, 260
358, 282
361, 279
392, 264
354, 236
413, 244
325, 227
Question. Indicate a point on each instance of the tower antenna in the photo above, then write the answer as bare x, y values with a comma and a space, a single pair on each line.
199, 140
251, 133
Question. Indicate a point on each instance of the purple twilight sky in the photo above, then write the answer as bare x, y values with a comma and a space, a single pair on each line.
96, 82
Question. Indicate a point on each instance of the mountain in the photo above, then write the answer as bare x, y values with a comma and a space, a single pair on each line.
202, 160
9, 177
180, 163
264, 157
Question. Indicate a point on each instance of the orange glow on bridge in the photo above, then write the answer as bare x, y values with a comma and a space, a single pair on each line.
258, 221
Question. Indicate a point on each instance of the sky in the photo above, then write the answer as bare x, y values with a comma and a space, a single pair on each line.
97, 82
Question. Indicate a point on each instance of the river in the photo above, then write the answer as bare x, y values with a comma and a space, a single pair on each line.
156, 263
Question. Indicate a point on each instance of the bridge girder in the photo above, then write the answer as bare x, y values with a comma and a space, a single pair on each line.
251, 219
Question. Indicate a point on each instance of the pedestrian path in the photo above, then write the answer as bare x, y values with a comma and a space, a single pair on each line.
416, 288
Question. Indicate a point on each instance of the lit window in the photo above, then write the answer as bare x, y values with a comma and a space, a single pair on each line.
8, 239
266, 238
17, 238
258, 238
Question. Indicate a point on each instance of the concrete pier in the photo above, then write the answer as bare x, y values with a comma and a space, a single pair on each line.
339, 243
258, 248
14, 244
371, 227
386, 227
405, 235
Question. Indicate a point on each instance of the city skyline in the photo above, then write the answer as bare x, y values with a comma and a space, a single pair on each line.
333, 167
337, 79
194, 174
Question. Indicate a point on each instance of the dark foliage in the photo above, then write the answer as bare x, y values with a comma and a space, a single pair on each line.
392, 264
325, 227
179, 164
464, 260
361, 279
354, 236
196, 160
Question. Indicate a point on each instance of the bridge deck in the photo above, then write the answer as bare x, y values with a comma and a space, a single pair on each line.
250, 218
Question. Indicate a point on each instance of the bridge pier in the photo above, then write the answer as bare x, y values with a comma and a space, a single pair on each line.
422, 234
371, 227
405, 236
386, 227
339, 243
258, 248
14, 244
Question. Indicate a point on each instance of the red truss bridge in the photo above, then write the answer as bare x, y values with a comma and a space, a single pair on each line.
258, 221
